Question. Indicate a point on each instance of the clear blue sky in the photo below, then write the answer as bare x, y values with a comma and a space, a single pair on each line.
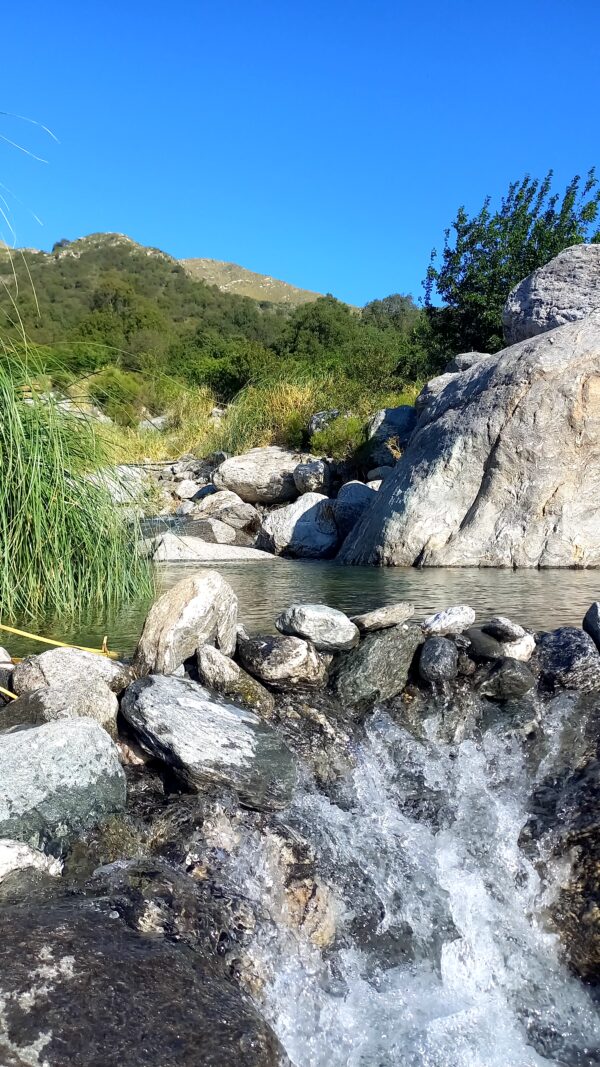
328, 144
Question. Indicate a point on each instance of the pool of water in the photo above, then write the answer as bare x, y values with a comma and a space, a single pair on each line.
536, 599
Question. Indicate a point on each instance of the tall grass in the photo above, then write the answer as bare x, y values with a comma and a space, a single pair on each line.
63, 541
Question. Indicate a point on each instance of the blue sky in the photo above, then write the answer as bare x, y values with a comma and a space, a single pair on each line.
328, 144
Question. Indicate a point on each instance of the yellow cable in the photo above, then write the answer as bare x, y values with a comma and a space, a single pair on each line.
7, 693
59, 644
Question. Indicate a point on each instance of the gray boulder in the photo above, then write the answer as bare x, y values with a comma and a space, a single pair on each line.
185, 548
382, 618
281, 662
263, 475
565, 290
438, 661
197, 610
212, 530
208, 741
328, 629
57, 779
186, 489
569, 659
485, 646
506, 679
314, 476
503, 468
229, 508
66, 667
305, 529
449, 621
388, 432
464, 361
350, 505
378, 668
220, 673
76, 699
591, 623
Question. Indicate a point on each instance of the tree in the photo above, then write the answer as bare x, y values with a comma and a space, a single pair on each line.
486, 255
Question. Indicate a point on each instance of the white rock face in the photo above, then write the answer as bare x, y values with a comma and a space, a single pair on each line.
185, 548
64, 667
15, 856
328, 629
453, 620
263, 475
503, 469
565, 290
305, 529
199, 609
229, 508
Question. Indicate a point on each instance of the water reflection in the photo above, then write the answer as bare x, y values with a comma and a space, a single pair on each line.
538, 599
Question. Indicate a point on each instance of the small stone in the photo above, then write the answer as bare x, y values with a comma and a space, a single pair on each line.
382, 618
16, 856
314, 476
503, 629
350, 504
438, 661
220, 673
328, 629
228, 507
185, 508
187, 489
484, 646
451, 621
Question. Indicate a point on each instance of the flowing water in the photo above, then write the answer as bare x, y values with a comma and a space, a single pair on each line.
441, 958
538, 599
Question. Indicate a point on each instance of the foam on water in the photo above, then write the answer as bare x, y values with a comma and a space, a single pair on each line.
441, 959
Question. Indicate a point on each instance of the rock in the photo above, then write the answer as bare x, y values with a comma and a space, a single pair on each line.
503, 468
314, 476
565, 290
15, 856
197, 610
378, 668
327, 628
77, 699
183, 548
281, 662
321, 419
464, 361
185, 508
154, 423
228, 507
351, 503
569, 659
80, 988
506, 679
187, 489
57, 779
379, 474
591, 623
212, 530
484, 646
64, 667
220, 673
438, 661
207, 741
503, 629
388, 432
376, 485
382, 618
305, 529
450, 621
263, 475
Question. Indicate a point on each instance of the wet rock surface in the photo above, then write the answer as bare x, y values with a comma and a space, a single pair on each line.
282, 662
569, 659
378, 668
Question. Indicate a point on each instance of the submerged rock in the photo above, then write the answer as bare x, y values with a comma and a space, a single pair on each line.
281, 662
197, 610
378, 668
382, 618
328, 629
68, 666
91, 699
207, 741
262, 475
305, 529
80, 988
225, 676
569, 659
438, 661
57, 779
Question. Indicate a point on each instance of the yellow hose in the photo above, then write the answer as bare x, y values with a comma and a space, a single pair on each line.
59, 644
7, 693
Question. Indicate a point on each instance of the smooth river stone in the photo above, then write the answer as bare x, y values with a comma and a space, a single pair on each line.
450, 621
328, 629
382, 618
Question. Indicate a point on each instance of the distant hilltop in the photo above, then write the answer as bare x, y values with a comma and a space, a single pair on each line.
228, 277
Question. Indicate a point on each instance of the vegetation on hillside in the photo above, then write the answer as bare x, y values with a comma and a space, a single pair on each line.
487, 254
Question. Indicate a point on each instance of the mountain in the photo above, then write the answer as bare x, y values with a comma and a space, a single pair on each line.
231, 278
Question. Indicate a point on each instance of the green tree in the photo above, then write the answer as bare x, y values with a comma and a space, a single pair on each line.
484, 256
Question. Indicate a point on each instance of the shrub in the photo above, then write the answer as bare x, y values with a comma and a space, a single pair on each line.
341, 439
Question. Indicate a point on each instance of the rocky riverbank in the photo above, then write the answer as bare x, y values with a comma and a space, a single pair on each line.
131, 796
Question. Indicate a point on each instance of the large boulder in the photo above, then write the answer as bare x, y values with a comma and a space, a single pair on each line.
504, 466
229, 508
378, 669
261, 476
197, 610
66, 667
569, 659
58, 779
80, 988
388, 432
305, 529
564, 290
78, 699
281, 662
351, 503
207, 741
328, 629
314, 476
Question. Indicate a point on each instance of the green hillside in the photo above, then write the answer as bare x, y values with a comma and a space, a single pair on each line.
231, 278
